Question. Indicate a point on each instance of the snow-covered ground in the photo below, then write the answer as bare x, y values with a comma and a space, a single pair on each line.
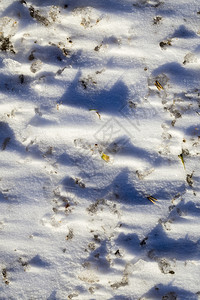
100, 147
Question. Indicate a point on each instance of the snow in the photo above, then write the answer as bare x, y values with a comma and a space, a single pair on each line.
100, 145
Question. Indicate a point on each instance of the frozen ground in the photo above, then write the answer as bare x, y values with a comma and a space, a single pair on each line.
99, 110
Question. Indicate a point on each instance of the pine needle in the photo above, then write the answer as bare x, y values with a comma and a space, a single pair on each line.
182, 160
158, 85
152, 199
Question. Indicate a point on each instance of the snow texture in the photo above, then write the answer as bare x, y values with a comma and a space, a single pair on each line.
99, 149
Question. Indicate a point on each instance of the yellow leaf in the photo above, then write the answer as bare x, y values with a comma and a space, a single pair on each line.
182, 160
105, 157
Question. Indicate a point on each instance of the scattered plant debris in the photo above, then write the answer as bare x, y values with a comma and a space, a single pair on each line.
165, 44
165, 266
97, 48
23, 263
70, 235
5, 44
156, 20
73, 295
5, 143
80, 183
143, 242
91, 246
93, 208
98, 114
152, 199
118, 254
4, 274
21, 78
189, 179
31, 56
35, 14
119, 284
88, 81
